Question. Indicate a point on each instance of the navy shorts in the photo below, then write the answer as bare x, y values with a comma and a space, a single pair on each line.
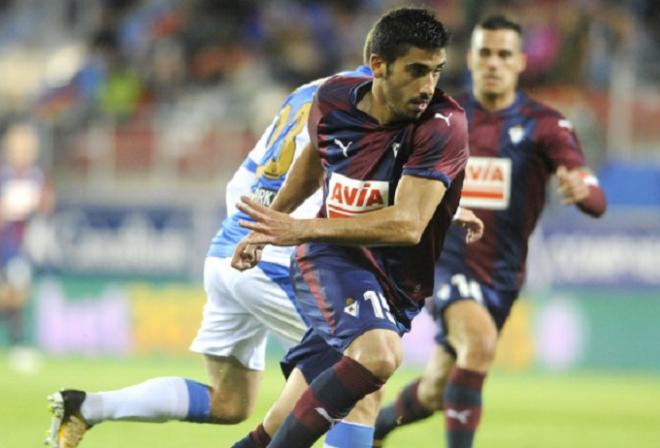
340, 301
452, 287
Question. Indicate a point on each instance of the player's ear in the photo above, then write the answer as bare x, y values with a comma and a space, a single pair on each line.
522, 62
468, 59
378, 66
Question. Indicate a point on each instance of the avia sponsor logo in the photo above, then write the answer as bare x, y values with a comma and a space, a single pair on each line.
487, 183
263, 196
349, 197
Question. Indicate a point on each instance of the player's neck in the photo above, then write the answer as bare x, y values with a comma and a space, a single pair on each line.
375, 106
494, 103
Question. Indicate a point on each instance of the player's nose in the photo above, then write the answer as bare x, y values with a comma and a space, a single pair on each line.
428, 86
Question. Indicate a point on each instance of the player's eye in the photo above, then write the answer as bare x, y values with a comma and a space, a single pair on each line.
418, 71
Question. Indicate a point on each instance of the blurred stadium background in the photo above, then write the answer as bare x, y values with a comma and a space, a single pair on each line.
144, 109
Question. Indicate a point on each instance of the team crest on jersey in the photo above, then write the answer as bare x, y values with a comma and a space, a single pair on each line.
487, 183
516, 134
352, 307
350, 197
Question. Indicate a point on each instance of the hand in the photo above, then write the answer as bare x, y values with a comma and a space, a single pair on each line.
246, 254
270, 226
572, 185
471, 223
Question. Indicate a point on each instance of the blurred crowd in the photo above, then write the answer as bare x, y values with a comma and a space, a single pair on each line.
174, 86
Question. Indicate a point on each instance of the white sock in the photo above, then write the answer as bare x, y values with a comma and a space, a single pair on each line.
155, 400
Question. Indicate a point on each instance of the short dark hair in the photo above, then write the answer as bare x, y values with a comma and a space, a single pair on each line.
400, 29
499, 22
368, 42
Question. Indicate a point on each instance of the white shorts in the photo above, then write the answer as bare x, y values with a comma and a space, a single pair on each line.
242, 307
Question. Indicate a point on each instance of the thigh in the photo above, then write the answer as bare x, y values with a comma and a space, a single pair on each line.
228, 328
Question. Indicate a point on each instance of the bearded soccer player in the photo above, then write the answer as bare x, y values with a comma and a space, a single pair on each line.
522, 142
390, 153
241, 309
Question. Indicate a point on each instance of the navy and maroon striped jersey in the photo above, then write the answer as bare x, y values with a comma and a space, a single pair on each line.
513, 153
363, 162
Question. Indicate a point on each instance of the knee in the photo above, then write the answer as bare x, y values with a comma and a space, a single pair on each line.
382, 364
228, 411
379, 351
479, 350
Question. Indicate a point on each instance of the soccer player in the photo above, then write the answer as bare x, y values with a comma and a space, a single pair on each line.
516, 144
241, 308
390, 153
24, 193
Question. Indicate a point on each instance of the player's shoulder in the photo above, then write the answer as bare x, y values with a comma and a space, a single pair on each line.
338, 92
464, 99
340, 85
543, 112
443, 111
443, 102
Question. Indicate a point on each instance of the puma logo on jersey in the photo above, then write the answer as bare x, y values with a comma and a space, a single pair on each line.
444, 117
344, 148
350, 197
395, 148
461, 416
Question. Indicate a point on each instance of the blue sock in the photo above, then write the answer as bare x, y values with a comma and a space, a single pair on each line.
349, 435
199, 405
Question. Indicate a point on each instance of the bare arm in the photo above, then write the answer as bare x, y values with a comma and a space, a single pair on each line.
403, 223
303, 180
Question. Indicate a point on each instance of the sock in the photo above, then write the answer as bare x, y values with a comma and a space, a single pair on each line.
349, 435
258, 438
406, 409
330, 397
155, 400
462, 406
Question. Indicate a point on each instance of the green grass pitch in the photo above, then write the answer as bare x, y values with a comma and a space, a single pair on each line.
581, 410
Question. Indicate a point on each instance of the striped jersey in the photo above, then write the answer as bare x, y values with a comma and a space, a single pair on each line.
513, 153
363, 162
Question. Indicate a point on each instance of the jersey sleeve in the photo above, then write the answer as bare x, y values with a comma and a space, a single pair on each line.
440, 148
560, 143
314, 119
244, 177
